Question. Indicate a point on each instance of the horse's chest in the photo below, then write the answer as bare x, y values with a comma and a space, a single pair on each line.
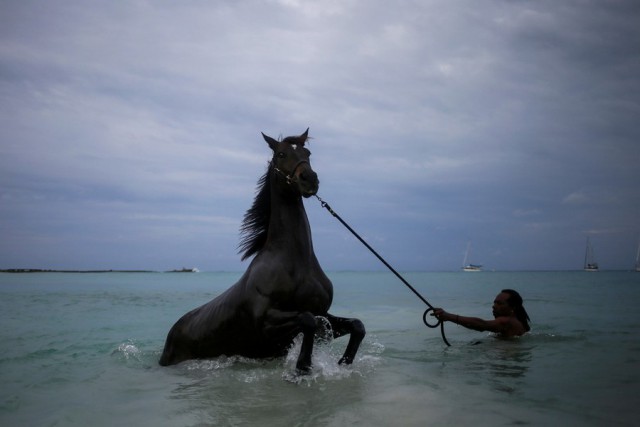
313, 294
290, 287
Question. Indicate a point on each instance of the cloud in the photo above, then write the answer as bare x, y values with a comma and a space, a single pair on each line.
577, 197
512, 125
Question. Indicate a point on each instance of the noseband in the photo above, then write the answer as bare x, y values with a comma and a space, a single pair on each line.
291, 178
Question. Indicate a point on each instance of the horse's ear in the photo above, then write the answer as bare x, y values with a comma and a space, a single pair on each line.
303, 138
272, 142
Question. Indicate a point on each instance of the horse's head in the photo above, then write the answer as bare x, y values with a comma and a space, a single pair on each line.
291, 161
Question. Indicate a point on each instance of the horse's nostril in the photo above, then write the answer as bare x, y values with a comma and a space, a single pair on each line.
309, 176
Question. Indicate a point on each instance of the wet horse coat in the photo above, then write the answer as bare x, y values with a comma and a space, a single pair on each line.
283, 291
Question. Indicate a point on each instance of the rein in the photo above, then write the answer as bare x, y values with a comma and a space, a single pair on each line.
430, 307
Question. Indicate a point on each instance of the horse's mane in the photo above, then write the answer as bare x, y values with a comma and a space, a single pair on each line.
255, 224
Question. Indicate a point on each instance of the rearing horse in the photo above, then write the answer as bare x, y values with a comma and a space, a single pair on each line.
284, 290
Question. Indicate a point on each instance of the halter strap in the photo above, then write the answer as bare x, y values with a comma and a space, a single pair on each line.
291, 178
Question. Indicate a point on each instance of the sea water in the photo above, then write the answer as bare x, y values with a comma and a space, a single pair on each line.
80, 349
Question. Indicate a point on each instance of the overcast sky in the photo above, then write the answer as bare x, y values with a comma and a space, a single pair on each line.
130, 130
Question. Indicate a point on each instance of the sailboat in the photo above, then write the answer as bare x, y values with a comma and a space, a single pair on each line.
590, 263
638, 257
469, 267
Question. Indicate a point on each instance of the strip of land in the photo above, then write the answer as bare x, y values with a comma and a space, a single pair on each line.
39, 270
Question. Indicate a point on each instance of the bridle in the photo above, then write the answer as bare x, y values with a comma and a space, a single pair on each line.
290, 178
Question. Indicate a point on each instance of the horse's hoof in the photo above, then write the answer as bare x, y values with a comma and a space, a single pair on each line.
345, 361
303, 370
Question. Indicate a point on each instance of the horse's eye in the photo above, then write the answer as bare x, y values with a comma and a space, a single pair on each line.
282, 155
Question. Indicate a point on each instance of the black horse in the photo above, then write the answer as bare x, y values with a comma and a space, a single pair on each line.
284, 291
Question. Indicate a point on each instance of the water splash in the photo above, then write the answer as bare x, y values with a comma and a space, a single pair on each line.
324, 361
128, 351
325, 367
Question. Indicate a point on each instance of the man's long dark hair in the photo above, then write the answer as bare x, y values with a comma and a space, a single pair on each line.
515, 302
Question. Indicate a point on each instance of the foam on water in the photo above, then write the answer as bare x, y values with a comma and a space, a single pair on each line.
325, 367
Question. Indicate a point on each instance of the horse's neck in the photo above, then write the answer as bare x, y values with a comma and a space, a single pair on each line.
289, 227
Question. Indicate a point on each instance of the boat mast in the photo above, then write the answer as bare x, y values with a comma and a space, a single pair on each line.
466, 254
586, 254
638, 256
590, 263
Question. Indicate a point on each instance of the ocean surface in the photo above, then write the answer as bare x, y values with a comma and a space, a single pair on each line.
79, 349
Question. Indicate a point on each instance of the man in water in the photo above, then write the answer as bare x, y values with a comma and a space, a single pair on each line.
510, 317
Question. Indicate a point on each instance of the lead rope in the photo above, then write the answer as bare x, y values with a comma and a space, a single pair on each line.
424, 316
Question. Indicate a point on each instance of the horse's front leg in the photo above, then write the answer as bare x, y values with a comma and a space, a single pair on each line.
343, 326
280, 323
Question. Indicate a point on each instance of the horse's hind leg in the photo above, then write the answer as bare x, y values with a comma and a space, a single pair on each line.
176, 348
343, 326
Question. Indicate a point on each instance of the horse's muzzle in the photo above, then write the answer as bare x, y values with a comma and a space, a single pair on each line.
308, 182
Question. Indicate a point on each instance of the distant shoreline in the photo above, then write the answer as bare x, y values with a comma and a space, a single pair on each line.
40, 270
188, 270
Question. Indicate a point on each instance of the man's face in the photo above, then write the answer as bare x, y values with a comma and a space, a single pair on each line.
500, 306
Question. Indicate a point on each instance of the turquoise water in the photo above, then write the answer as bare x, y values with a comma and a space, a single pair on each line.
82, 349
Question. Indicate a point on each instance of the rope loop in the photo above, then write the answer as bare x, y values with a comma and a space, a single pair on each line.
435, 325
426, 322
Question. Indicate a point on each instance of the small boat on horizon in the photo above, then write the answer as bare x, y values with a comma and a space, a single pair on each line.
185, 270
590, 263
638, 257
469, 266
